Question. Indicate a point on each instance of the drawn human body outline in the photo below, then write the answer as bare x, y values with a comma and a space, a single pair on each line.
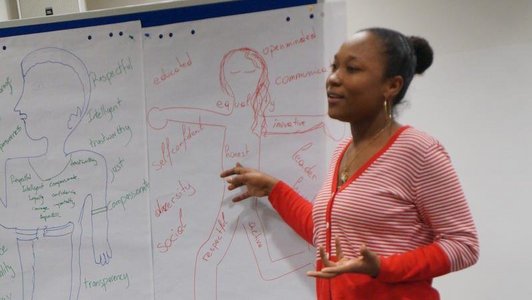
251, 70
49, 180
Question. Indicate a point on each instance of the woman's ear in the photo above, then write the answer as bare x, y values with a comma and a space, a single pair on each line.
393, 87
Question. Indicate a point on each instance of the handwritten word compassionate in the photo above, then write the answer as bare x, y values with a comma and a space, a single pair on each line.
125, 198
290, 78
7, 270
10, 138
7, 85
252, 226
105, 281
218, 238
104, 111
122, 67
169, 147
167, 74
297, 157
104, 138
303, 39
175, 233
183, 189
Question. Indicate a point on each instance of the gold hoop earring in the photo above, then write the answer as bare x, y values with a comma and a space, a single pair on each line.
388, 111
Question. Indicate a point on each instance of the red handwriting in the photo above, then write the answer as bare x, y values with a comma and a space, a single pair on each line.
229, 105
288, 124
296, 184
183, 189
297, 157
215, 244
304, 38
175, 233
165, 75
169, 148
255, 233
286, 79
236, 154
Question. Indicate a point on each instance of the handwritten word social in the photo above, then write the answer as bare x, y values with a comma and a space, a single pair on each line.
175, 233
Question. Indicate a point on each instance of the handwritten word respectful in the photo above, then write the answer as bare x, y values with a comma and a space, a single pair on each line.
220, 228
169, 148
104, 111
297, 157
122, 67
175, 233
10, 138
286, 79
125, 198
118, 131
6, 270
180, 65
105, 281
183, 189
303, 39
6, 85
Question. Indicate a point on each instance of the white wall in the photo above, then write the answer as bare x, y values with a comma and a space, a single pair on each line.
476, 100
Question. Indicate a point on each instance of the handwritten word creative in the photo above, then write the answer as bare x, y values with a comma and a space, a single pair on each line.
104, 111
121, 68
107, 281
175, 233
6, 85
167, 74
301, 40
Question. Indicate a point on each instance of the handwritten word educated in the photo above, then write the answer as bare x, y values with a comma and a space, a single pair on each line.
183, 189
169, 148
255, 233
105, 281
122, 67
118, 131
6, 297
297, 157
303, 39
286, 79
10, 138
6, 85
125, 198
104, 111
6, 270
175, 233
180, 65
218, 238
293, 123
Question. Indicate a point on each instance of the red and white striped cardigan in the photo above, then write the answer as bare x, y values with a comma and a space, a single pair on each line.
406, 204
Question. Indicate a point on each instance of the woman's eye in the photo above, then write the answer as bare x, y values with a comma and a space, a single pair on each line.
333, 67
351, 69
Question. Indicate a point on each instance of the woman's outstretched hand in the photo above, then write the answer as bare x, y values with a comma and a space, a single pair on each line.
367, 263
258, 184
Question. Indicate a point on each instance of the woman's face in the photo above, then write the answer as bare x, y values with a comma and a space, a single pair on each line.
355, 88
242, 75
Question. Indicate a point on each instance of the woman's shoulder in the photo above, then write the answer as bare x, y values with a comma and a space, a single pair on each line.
416, 137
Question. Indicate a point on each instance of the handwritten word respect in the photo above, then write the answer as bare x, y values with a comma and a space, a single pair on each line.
218, 238
122, 67
105, 281
303, 39
175, 233
180, 65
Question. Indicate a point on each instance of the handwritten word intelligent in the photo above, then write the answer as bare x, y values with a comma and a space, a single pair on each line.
124, 199
10, 138
6, 85
286, 79
119, 131
297, 157
303, 39
6, 270
104, 111
220, 228
174, 235
105, 281
169, 148
180, 65
183, 189
122, 67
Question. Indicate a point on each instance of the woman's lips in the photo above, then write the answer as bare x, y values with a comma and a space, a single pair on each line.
334, 98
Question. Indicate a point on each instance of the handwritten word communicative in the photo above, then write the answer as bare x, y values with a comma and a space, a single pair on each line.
294, 77
7, 84
301, 40
122, 67
220, 229
184, 189
104, 111
174, 234
170, 147
297, 157
106, 281
167, 74
4, 142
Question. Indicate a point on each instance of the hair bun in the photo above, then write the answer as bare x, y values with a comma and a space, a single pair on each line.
423, 51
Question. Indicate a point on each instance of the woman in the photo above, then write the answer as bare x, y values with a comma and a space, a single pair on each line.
391, 214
